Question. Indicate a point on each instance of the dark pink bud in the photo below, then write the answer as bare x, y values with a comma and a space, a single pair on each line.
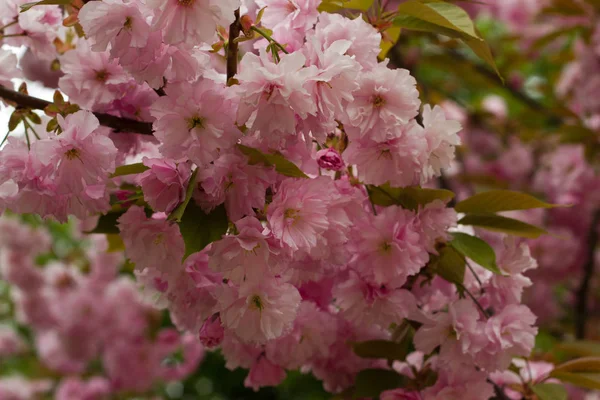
330, 159
211, 332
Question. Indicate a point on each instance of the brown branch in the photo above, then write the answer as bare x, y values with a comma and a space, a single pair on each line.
232, 46
581, 309
116, 123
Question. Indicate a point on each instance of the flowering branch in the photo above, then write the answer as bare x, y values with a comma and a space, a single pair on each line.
117, 123
581, 309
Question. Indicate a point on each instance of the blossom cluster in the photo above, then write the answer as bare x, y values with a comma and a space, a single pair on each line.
307, 262
82, 314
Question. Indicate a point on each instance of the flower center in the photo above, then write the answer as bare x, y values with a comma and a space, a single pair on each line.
72, 154
195, 122
378, 101
291, 213
186, 3
256, 303
128, 23
102, 75
159, 239
385, 247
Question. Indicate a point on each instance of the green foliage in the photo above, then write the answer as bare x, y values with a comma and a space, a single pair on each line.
282, 166
550, 391
497, 223
371, 382
385, 349
580, 348
337, 5
500, 200
199, 229
447, 19
27, 6
178, 212
449, 264
476, 249
409, 197
583, 380
129, 169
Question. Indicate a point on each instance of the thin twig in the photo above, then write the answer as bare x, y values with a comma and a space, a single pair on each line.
117, 123
581, 308
232, 46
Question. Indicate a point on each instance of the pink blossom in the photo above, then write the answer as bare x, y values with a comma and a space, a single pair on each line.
400, 394
264, 373
511, 333
164, 184
259, 312
120, 23
137, 231
291, 14
387, 248
243, 257
333, 85
192, 292
273, 94
433, 221
8, 68
95, 388
314, 332
330, 159
299, 215
170, 342
231, 180
212, 332
366, 303
386, 99
399, 161
364, 38
91, 79
81, 156
442, 137
195, 121
11, 343
191, 22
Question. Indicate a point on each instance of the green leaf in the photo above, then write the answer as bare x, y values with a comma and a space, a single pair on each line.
14, 121
550, 391
129, 169
446, 15
337, 5
445, 19
371, 382
584, 364
389, 38
382, 349
27, 6
408, 197
587, 381
580, 348
282, 166
107, 223
482, 50
178, 212
476, 249
500, 200
450, 265
199, 229
497, 223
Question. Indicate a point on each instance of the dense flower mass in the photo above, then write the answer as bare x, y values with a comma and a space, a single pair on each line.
279, 195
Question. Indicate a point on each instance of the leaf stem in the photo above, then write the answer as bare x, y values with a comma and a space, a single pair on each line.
269, 38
